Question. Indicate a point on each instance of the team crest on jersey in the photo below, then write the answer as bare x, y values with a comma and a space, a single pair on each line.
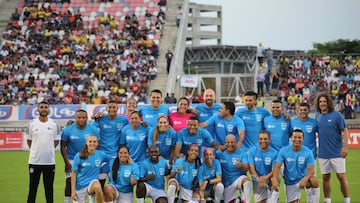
194, 172
258, 117
267, 161
229, 128
162, 171
142, 136
309, 128
167, 141
119, 126
199, 141
283, 125
97, 162
234, 160
127, 173
301, 160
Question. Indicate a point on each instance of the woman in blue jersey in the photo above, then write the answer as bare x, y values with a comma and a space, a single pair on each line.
85, 172
124, 175
183, 176
164, 137
135, 137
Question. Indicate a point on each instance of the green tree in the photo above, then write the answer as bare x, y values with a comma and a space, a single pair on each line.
340, 46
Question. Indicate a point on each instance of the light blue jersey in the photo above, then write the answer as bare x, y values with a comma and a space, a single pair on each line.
225, 127
151, 115
205, 113
159, 169
309, 128
295, 163
254, 123
125, 172
166, 142
263, 161
187, 174
206, 173
279, 130
76, 138
88, 170
185, 139
136, 141
229, 170
330, 126
110, 131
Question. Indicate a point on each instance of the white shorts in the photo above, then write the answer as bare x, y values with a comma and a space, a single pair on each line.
122, 197
292, 192
333, 164
154, 193
230, 191
68, 174
84, 192
184, 194
260, 193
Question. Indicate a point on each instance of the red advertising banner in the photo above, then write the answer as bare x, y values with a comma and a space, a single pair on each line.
354, 138
11, 140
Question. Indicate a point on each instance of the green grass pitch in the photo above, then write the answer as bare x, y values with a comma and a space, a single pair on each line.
14, 179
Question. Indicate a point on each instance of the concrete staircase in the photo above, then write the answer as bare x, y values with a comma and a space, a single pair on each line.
167, 42
7, 7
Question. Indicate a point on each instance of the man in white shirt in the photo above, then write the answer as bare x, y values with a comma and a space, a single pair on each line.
42, 138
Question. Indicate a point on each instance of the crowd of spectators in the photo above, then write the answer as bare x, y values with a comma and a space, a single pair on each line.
298, 80
53, 56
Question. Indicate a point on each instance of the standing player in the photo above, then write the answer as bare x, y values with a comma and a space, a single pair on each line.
253, 119
278, 126
150, 113
73, 139
226, 123
261, 161
152, 174
333, 145
299, 167
309, 127
110, 126
42, 138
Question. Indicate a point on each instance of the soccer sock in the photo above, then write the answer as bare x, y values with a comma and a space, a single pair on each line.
347, 199
171, 193
327, 200
269, 192
309, 192
109, 202
315, 194
67, 199
247, 191
275, 196
92, 199
219, 193
140, 200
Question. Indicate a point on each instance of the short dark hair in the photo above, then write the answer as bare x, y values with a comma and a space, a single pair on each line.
297, 130
264, 132
43, 102
156, 91
251, 93
230, 106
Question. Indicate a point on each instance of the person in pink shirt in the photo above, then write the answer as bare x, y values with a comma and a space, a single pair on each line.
178, 120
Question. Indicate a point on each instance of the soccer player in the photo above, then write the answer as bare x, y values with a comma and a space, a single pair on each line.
42, 137
234, 165
164, 137
124, 175
110, 126
73, 139
183, 175
210, 178
261, 161
333, 145
85, 172
299, 166
135, 137
278, 126
192, 135
150, 113
253, 119
152, 174
309, 127
226, 123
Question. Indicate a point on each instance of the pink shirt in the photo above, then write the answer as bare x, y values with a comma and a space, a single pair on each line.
178, 121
